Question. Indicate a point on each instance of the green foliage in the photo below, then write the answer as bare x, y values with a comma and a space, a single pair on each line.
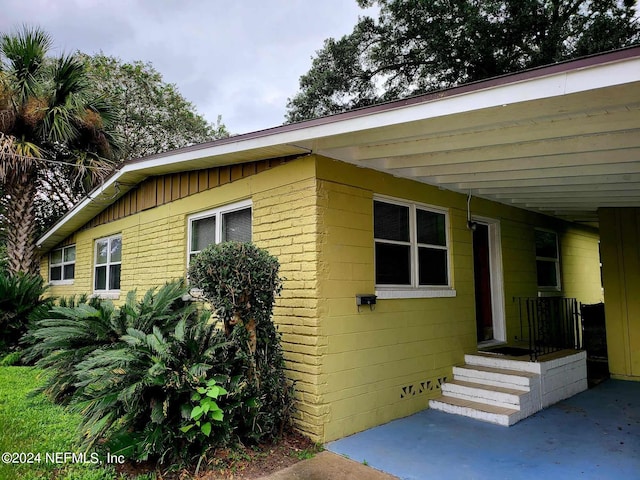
11, 359
239, 279
155, 379
65, 335
136, 395
31, 423
417, 46
305, 454
130, 371
241, 282
20, 300
206, 409
56, 137
75, 328
153, 116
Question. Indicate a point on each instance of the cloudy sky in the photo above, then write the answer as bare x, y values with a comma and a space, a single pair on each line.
240, 59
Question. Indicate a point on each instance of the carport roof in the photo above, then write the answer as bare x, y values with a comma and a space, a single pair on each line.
563, 140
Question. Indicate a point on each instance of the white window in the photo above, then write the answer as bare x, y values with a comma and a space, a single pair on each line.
62, 265
225, 224
108, 261
547, 260
411, 246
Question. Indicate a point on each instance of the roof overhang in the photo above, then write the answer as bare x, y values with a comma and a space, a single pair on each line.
562, 140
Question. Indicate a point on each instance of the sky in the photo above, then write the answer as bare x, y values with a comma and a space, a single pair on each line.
239, 59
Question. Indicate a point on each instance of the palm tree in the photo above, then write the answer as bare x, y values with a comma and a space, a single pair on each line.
52, 129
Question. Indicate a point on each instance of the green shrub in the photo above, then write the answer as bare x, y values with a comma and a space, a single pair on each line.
11, 359
241, 282
69, 332
20, 299
131, 371
137, 394
64, 335
136, 373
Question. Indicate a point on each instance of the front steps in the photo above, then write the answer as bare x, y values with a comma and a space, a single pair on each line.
504, 391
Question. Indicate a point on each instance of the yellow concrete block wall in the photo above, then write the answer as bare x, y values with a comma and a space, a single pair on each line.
285, 222
387, 363
154, 250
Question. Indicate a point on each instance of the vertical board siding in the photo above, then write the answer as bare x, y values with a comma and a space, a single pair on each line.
620, 246
156, 191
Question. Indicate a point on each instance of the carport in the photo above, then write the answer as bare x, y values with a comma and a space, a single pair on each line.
594, 435
562, 140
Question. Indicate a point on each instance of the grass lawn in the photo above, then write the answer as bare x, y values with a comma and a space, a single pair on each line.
33, 425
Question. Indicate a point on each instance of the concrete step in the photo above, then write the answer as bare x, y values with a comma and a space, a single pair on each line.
480, 411
498, 361
488, 394
498, 377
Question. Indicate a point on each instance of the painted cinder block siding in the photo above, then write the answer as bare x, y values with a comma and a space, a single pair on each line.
388, 362
353, 370
620, 243
154, 250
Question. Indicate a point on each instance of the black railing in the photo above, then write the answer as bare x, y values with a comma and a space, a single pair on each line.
549, 324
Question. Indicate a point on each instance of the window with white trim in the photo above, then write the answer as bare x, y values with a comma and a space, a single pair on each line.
108, 263
62, 264
547, 260
225, 224
411, 245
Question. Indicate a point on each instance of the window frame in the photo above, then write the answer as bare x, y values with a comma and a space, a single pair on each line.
106, 293
217, 212
415, 290
62, 264
549, 288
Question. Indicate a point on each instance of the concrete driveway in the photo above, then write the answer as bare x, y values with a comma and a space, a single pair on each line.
594, 435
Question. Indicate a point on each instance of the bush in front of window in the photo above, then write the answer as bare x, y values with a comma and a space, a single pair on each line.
135, 374
130, 371
241, 282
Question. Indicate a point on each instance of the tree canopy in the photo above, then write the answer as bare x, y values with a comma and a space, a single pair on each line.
152, 116
55, 134
417, 46
66, 122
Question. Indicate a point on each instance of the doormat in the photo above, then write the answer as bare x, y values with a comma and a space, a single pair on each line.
510, 351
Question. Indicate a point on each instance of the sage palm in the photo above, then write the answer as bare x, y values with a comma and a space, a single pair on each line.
52, 129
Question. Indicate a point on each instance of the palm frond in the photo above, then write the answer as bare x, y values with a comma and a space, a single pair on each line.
70, 84
24, 56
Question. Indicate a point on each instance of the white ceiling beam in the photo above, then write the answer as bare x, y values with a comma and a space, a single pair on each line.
556, 173
534, 182
612, 99
513, 133
538, 148
586, 203
530, 163
515, 192
585, 193
567, 207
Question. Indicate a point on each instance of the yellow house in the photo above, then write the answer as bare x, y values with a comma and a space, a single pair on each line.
446, 210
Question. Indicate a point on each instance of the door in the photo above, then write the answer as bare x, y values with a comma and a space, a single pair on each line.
488, 280
482, 278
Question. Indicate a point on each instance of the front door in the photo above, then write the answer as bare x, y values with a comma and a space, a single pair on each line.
482, 277
489, 289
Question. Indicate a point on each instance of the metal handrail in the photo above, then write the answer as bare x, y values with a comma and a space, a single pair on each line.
551, 323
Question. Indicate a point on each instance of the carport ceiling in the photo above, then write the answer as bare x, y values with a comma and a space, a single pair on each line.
563, 144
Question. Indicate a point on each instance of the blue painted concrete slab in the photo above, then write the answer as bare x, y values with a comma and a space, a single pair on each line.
594, 435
